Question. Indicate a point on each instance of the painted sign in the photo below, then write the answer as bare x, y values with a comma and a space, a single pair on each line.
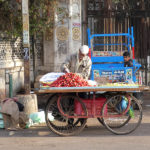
62, 48
75, 8
25, 6
25, 22
129, 74
119, 72
106, 73
26, 53
76, 33
25, 37
96, 73
76, 24
62, 33
106, 53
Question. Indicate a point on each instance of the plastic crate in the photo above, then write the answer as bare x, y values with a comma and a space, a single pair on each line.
99, 102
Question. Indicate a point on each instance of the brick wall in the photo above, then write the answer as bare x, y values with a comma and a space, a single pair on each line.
11, 62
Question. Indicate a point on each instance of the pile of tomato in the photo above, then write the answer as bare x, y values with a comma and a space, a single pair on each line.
69, 80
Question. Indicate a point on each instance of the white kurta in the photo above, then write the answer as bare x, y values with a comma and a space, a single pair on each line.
83, 67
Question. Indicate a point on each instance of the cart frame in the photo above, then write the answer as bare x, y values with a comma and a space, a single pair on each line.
72, 92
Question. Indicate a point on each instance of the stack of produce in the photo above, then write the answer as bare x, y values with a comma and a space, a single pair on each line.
69, 80
119, 85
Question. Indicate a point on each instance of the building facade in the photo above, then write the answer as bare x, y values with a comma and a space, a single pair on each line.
71, 19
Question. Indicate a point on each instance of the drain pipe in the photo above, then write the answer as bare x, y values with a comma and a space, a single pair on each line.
10, 86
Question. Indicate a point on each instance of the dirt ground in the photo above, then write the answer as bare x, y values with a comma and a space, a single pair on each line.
94, 137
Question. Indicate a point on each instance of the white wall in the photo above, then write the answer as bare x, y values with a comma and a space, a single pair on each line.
67, 35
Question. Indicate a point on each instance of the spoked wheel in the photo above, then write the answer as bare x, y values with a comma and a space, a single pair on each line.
62, 117
117, 102
119, 115
100, 120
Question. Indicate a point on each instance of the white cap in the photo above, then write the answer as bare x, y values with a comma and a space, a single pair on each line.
84, 49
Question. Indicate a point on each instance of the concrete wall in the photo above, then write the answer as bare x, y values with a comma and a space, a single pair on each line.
17, 79
16, 69
66, 35
11, 62
63, 41
17, 72
2, 84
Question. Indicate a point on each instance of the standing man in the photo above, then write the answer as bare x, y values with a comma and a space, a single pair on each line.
78, 63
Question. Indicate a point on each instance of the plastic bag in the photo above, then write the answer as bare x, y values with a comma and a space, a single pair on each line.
92, 83
1, 124
1, 116
50, 116
1, 120
38, 117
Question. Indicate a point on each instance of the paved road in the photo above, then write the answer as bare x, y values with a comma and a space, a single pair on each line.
95, 137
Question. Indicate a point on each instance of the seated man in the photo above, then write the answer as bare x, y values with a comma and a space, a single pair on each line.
78, 63
127, 60
129, 63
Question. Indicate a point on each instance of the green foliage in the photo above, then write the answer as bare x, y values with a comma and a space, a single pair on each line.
10, 17
41, 16
116, 1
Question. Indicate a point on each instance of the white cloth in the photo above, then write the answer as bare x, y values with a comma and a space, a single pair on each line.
84, 49
73, 65
49, 77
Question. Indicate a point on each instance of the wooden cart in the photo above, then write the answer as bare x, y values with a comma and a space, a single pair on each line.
68, 108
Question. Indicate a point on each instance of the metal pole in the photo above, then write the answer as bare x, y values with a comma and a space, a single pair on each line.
26, 46
10, 86
132, 37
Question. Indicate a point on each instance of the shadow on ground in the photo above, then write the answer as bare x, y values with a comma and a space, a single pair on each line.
92, 131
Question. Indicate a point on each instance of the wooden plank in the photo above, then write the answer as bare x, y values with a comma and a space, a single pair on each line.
90, 89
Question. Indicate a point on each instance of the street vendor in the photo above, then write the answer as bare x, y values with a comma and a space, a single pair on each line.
78, 63
127, 60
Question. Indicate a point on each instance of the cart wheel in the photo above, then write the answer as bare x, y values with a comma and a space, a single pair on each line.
118, 117
100, 120
116, 101
58, 122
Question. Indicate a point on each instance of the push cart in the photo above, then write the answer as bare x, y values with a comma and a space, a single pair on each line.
68, 109
106, 52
